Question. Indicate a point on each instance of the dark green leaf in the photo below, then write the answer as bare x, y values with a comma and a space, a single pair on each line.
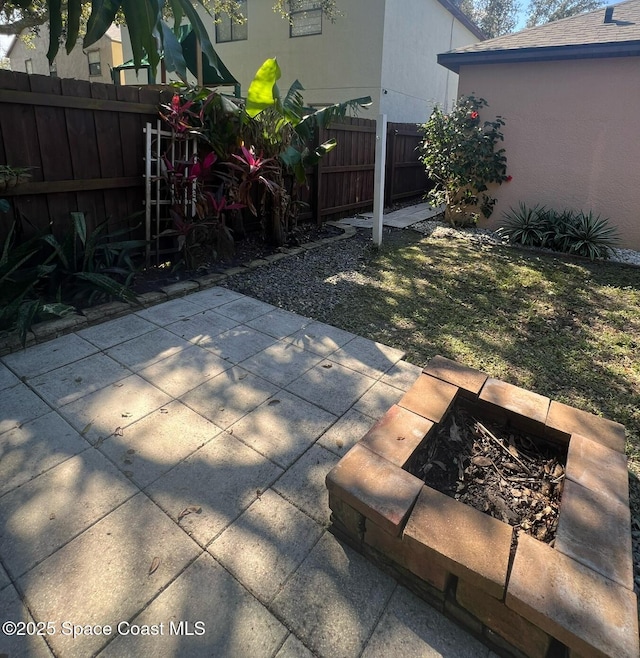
73, 23
173, 55
103, 13
55, 28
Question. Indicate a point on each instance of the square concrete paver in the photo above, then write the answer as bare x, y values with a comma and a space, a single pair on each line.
102, 576
378, 400
282, 427
281, 363
320, 338
334, 600
73, 381
411, 627
19, 405
238, 343
275, 538
331, 386
402, 375
244, 309
14, 646
35, 447
4, 578
143, 351
213, 297
164, 314
185, 370
367, 357
346, 432
235, 625
158, 442
7, 378
303, 484
111, 333
111, 409
221, 479
45, 513
200, 329
293, 648
50, 355
226, 398
279, 323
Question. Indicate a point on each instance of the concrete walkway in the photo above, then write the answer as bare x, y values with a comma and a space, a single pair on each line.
162, 474
402, 218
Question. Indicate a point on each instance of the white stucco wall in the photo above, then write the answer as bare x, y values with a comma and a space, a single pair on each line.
570, 135
74, 65
415, 31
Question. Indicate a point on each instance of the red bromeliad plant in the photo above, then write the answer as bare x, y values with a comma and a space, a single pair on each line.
198, 214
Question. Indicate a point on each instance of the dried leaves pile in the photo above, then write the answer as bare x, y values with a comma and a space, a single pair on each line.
503, 473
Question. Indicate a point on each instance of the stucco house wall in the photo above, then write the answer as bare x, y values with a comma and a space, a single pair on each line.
570, 135
341, 63
75, 64
385, 49
415, 31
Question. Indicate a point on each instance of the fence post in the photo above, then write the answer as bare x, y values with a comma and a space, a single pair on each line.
317, 198
379, 175
391, 164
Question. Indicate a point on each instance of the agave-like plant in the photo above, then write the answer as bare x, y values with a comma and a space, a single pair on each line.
526, 225
591, 236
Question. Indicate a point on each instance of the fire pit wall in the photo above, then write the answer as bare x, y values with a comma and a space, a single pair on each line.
575, 598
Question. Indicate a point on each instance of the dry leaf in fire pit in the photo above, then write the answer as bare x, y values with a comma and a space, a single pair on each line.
481, 460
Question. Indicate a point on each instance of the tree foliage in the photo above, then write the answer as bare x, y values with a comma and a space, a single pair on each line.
546, 11
153, 24
493, 17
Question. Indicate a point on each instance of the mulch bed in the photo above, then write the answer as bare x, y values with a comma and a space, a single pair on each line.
508, 475
249, 248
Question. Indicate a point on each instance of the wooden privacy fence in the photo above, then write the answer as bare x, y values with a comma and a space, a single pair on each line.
343, 181
85, 142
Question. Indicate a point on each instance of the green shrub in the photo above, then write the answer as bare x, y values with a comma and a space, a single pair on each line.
580, 233
42, 277
460, 157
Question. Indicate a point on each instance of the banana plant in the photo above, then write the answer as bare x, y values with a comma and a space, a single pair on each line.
289, 117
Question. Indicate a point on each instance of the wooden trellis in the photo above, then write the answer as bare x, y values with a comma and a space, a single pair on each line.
160, 194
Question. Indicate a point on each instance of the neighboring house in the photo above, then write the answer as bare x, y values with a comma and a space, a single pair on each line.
93, 64
385, 49
569, 92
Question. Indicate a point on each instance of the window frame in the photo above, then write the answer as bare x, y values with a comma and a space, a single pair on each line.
28, 64
297, 12
234, 26
99, 63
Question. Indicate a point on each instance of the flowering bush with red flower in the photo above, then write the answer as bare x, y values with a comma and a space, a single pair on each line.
460, 156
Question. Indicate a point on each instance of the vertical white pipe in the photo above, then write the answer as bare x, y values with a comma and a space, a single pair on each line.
379, 176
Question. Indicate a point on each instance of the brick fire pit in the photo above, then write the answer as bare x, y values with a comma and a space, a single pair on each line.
574, 598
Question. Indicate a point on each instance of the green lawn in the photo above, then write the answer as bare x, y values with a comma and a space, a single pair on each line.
565, 328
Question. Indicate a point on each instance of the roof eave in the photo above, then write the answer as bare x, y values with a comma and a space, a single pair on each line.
464, 19
453, 61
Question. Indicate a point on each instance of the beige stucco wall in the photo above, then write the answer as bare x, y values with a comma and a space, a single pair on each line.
74, 65
571, 135
341, 63
415, 31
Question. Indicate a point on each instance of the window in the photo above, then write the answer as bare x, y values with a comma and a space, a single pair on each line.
28, 66
53, 70
305, 19
94, 62
228, 30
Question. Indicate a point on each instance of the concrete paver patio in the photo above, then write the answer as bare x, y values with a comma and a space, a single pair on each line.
169, 466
